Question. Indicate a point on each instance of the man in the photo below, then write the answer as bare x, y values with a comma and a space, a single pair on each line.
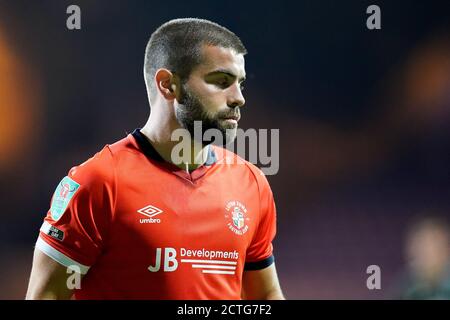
427, 273
139, 225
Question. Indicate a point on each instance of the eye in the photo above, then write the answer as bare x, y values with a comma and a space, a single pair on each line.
242, 87
223, 83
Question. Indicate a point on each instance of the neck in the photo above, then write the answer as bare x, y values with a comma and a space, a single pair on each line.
158, 130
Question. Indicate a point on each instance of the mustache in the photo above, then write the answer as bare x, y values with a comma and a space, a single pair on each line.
232, 114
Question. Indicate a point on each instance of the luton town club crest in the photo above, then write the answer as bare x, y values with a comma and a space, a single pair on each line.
236, 215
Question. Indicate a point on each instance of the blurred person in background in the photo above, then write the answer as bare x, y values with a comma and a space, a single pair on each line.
428, 260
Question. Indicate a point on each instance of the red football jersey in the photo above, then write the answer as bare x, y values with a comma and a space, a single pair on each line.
141, 228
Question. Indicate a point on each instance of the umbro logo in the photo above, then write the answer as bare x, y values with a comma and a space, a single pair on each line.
150, 211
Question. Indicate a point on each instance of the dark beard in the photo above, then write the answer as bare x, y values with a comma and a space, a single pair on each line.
191, 109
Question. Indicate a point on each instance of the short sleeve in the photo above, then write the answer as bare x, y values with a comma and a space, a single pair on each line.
260, 251
76, 225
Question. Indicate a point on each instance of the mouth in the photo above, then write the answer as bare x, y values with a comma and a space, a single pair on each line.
233, 119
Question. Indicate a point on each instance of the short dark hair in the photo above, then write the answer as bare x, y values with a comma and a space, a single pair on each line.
176, 45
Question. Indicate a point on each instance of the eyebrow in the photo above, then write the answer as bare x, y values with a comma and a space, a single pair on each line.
227, 72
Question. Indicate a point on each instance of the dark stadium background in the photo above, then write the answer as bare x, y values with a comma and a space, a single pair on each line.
363, 118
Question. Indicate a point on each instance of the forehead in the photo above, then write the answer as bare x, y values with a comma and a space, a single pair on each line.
219, 58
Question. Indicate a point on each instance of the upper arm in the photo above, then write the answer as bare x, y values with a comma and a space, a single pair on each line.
48, 279
261, 284
74, 229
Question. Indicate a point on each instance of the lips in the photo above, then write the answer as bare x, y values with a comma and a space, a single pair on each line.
232, 118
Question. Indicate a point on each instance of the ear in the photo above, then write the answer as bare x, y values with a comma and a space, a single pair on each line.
166, 83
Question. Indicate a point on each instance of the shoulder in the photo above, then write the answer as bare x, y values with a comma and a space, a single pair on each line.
97, 167
102, 164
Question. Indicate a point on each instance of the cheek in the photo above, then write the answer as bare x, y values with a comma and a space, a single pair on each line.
212, 100
211, 109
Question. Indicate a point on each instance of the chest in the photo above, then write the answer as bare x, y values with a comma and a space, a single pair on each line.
219, 212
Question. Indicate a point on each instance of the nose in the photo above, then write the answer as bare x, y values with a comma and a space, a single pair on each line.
235, 98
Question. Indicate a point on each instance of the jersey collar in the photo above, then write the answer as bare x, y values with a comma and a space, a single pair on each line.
151, 152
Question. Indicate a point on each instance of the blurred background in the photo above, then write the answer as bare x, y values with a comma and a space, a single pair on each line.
364, 119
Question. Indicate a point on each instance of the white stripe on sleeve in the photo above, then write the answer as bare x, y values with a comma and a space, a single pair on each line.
60, 257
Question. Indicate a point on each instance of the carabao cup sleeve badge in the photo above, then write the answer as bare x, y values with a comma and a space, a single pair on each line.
65, 190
